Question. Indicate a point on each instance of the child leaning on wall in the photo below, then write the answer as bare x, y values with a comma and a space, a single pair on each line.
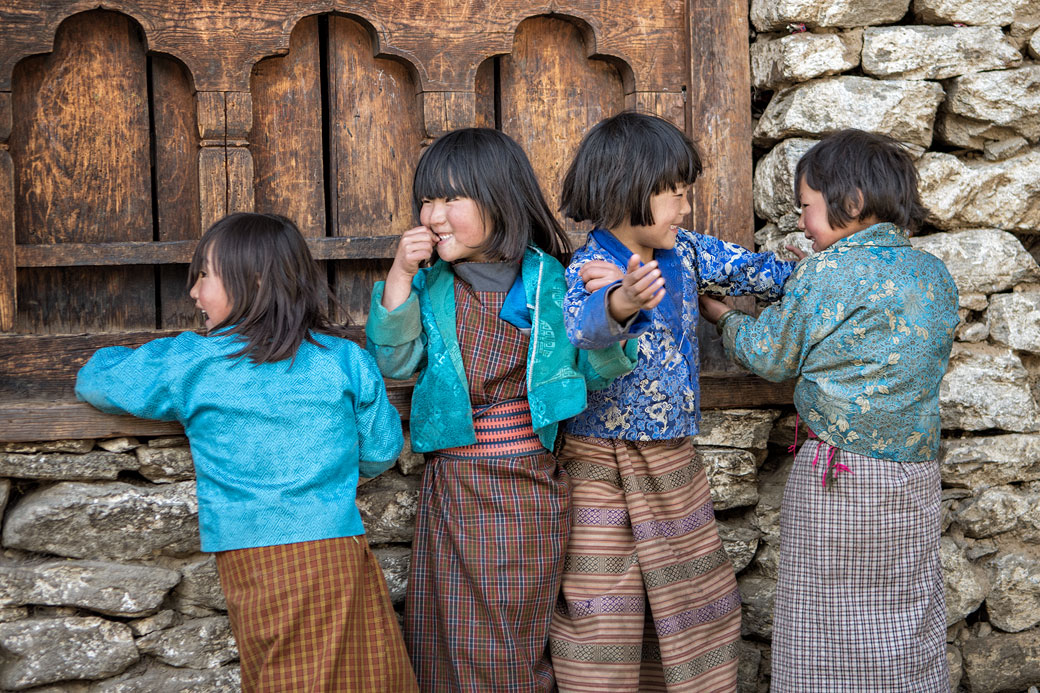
483, 329
282, 414
866, 325
649, 599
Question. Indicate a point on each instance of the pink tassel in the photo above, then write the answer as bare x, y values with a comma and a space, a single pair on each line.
792, 448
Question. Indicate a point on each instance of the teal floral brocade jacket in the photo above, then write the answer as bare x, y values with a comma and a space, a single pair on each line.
867, 326
419, 337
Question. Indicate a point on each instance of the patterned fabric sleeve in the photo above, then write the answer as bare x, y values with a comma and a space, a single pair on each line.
725, 268
589, 325
378, 423
775, 344
121, 380
395, 338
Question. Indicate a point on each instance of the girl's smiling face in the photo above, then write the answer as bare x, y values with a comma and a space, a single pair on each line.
814, 223
460, 225
209, 294
668, 209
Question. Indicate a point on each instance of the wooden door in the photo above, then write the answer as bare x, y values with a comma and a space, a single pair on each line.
125, 132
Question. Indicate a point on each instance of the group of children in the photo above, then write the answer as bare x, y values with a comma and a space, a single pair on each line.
565, 535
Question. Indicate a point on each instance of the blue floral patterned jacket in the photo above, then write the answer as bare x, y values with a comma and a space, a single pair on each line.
660, 398
867, 326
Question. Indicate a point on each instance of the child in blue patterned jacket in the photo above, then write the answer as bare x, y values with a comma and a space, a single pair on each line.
282, 414
649, 598
866, 325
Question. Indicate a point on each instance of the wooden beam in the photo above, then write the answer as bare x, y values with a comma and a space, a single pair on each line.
37, 377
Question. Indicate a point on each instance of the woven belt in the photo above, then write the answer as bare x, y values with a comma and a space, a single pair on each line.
503, 430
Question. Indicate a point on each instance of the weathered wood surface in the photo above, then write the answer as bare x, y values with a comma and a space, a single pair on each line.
175, 183
552, 93
8, 285
375, 132
80, 146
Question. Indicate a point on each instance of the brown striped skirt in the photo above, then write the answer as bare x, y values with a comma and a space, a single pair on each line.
859, 598
489, 540
649, 599
314, 616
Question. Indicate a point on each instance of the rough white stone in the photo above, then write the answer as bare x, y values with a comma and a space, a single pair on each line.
736, 428
198, 593
108, 588
803, 56
162, 679
72, 446
903, 109
1004, 148
956, 664
1014, 319
771, 239
929, 52
971, 332
987, 387
1034, 45
166, 464
150, 624
969, 11
966, 587
757, 597
1013, 604
41, 651
118, 444
992, 106
732, 475
740, 542
202, 643
982, 261
395, 562
409, 461
61, 466
974, 194
976, 463
766, 519
998, 662
387, 506
112, 520
773, 185
994, 511
771, 15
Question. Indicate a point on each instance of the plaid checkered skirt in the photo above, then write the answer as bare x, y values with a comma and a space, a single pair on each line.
489, 540
649, 600
859, 599
314, 616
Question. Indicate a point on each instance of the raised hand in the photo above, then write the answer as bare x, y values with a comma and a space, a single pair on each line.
642, 288
596, 274
414, 248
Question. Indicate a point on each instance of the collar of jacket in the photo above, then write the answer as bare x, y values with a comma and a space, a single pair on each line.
883, 235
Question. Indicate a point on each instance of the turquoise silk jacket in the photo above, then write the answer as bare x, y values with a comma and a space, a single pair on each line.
419, 336
867, 326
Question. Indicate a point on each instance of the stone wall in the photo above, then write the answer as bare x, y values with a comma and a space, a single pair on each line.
103, 588
959, 82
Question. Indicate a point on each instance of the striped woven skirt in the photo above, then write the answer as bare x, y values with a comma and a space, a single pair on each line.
489, 541
649, 599
859, 598
314, 616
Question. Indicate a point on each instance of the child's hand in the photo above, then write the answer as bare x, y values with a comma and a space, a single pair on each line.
712, 309
642, 288
414, 248
596, 274
797, 252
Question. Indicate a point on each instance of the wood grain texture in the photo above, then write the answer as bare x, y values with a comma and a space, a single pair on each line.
551, 94
375, 133
239, 161
80, 147
720, 119
287, 133
176, 172
8, 286
213, 184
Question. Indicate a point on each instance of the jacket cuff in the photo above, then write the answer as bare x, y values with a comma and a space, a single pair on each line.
392, 328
